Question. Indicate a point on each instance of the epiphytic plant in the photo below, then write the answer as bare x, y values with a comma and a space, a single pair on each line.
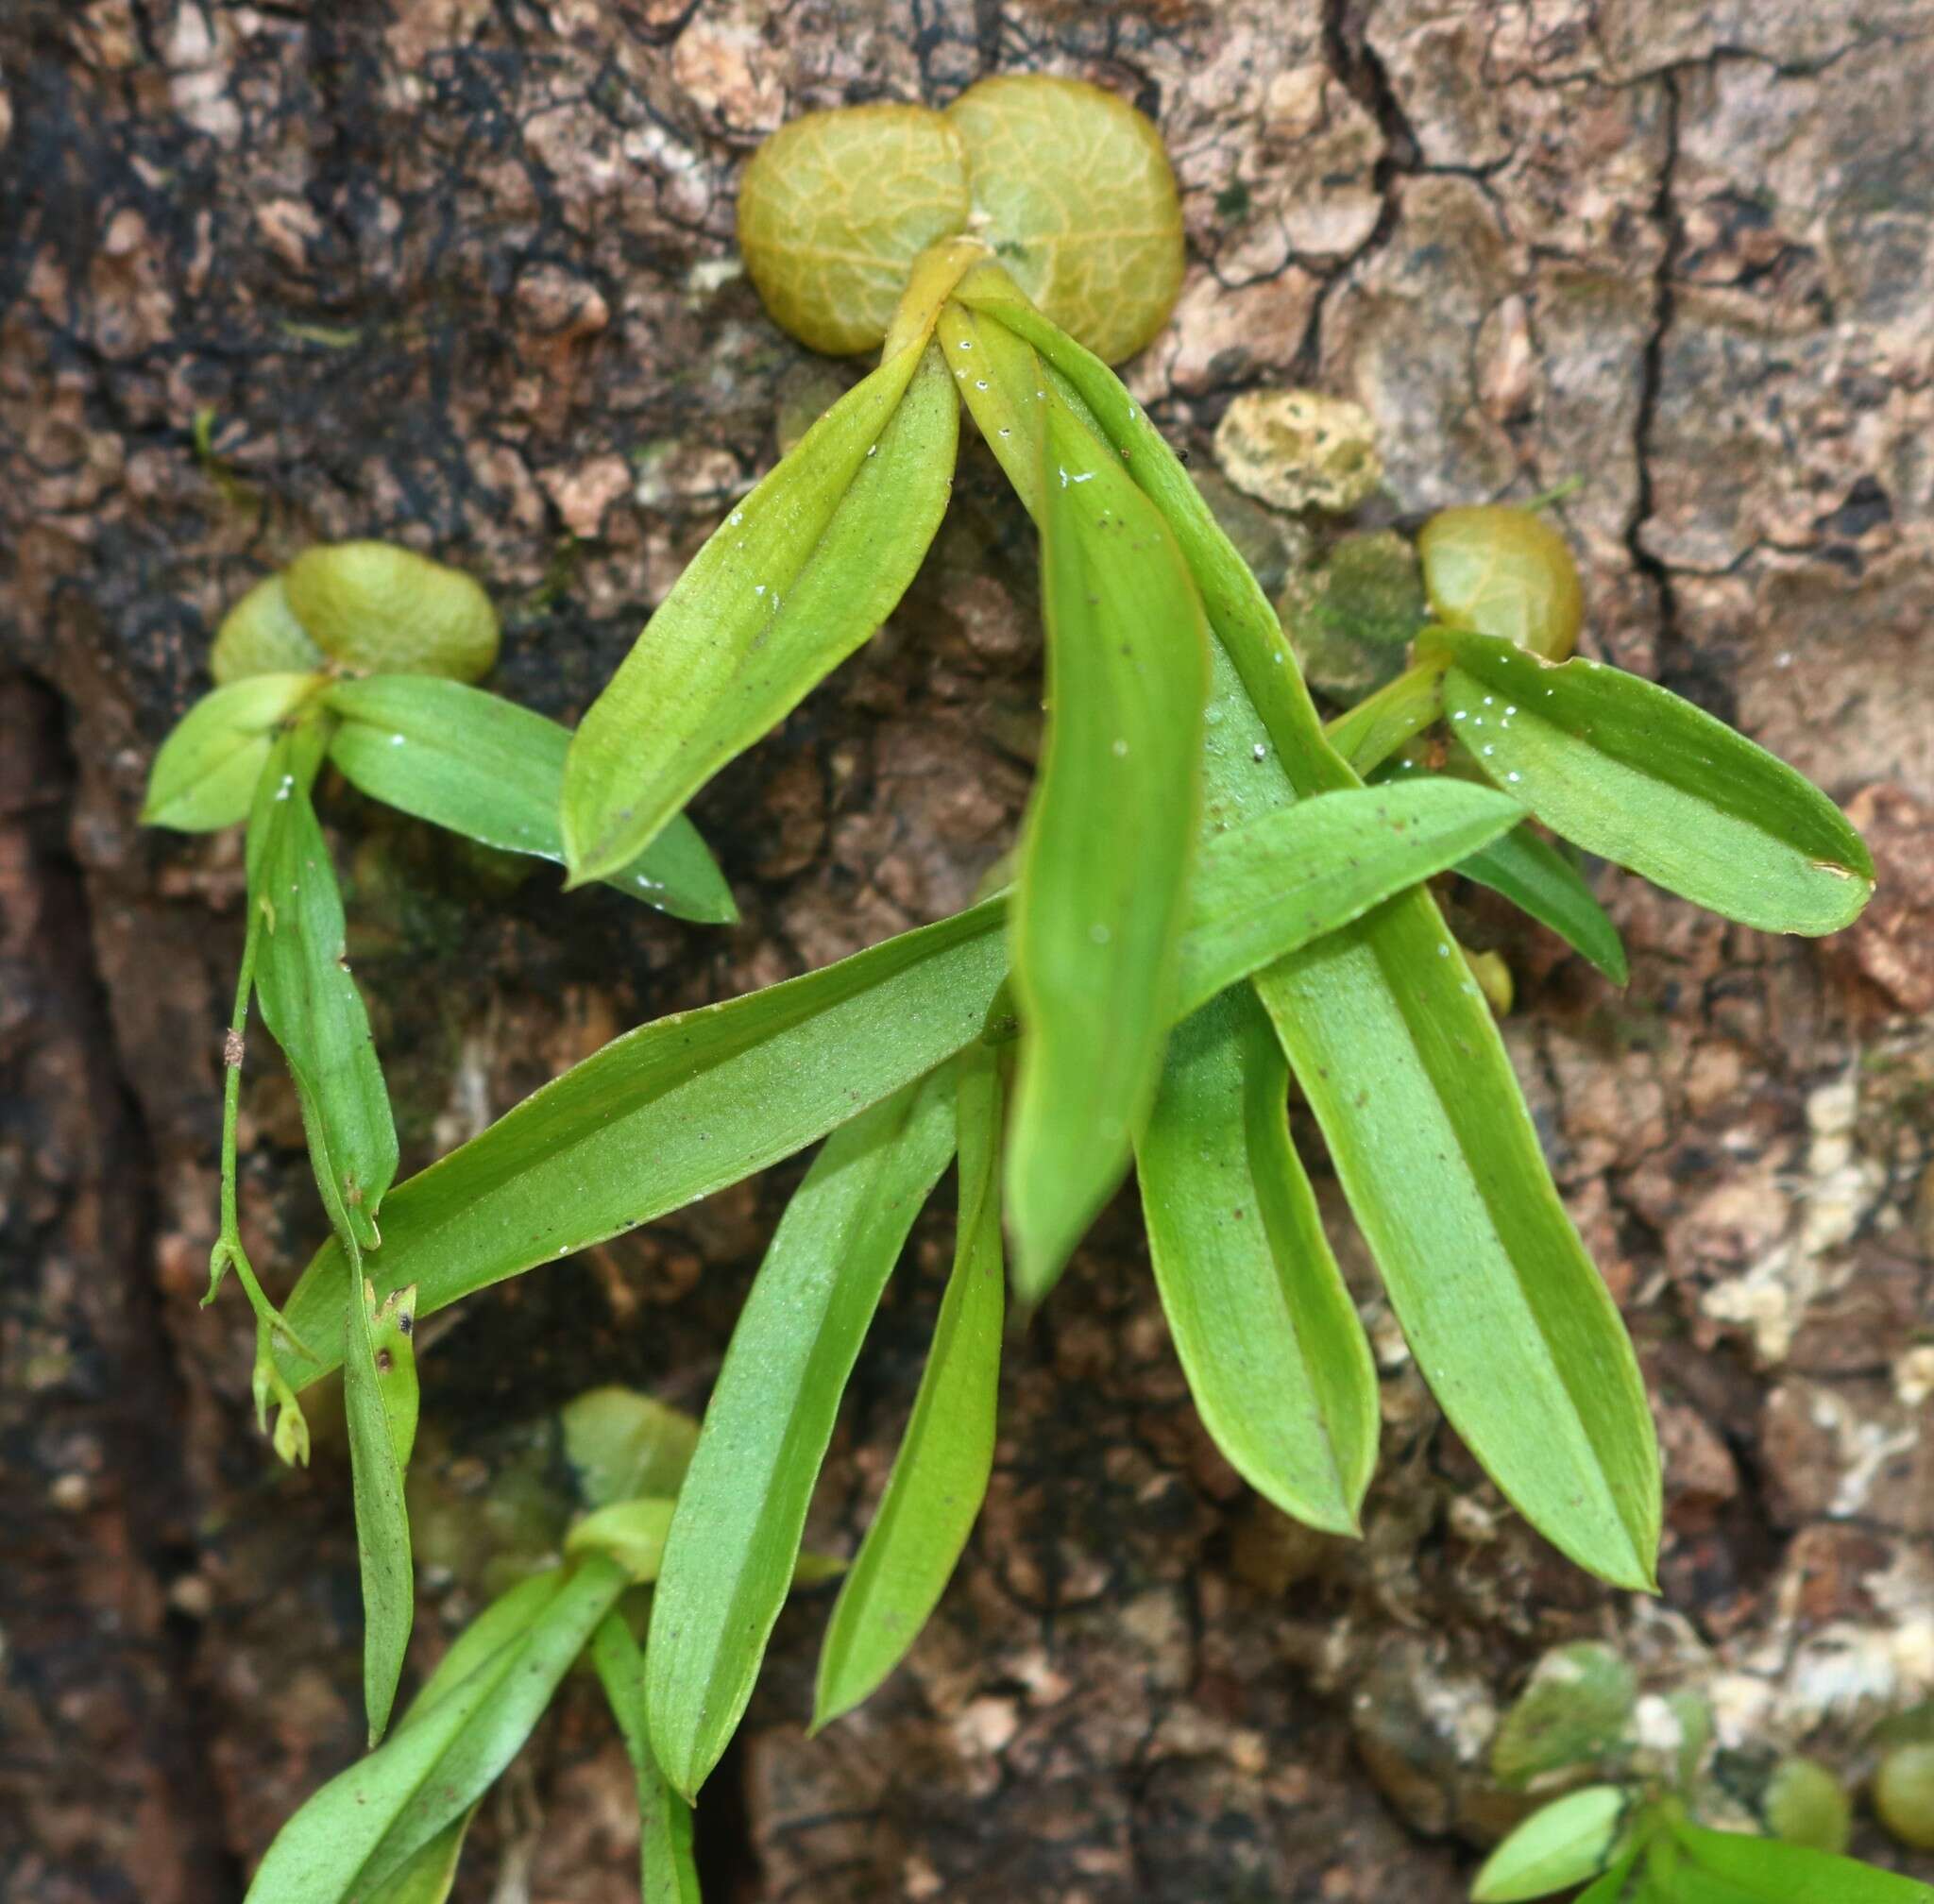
361, 654
390, 1829
1207, 905
1636, 1835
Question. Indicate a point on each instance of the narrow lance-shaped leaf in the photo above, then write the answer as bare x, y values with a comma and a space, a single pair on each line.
1266, 1332
1287, 878
206, 772
1408, 1077
494, 772
310, 1002
393, 1346
1538, 880
1377, 726
684, 1106
430, 1875
791, 582
1612, 1886
1766, 1869
368, 1823
1524, 867
670, 1112
1629, 770
940, 1475
1569, 1841
1101, 898
311, 1006
379, 1446
734, 1535
667, 1872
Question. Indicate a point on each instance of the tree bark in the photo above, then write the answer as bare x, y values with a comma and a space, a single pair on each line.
460, 274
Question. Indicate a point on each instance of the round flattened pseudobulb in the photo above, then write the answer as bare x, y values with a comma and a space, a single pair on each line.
833, 211
1072, 192
381, 609
1503, 572
1903, 1795
259, 634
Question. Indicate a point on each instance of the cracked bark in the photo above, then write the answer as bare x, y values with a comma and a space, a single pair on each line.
459, 273
106, 1773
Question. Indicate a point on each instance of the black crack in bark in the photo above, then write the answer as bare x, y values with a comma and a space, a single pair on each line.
1681, 665
1350, 57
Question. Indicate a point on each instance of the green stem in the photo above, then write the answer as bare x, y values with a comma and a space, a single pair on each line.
229, 1248
1556, 493
1376, 728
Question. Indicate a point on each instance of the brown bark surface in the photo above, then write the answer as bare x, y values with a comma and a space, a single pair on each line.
459, 273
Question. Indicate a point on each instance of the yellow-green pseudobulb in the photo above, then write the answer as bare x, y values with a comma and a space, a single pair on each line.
370, 607
375, 608
259, 634
1503, 572
1074, 193
1067, 186
833, 211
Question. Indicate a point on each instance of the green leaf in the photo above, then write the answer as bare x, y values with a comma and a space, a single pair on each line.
687, 1104
1538, 880
368, 1823
791, 582
430, 1875
1688, 1884
1765, 1871
667, 1872
670, 1112
494, 772
1565, 1842
1266, 1332
1377, 725
629, 1532
505, 1621
308, 1001
310, 1004
734, 1536
1629, 770
940, 1475
392, 1332
1101, 897
1404, 1069
1285, 880
1571, 1712
205, 775
1509, 1320
383, 1517
1610, 1888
